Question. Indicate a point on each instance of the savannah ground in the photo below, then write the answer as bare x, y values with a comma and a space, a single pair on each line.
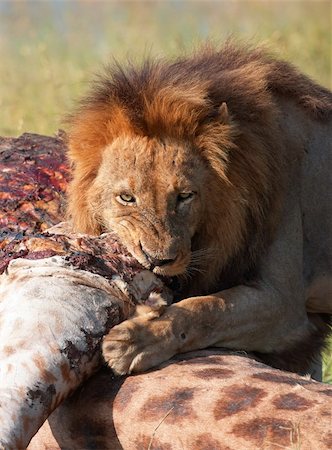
49, 50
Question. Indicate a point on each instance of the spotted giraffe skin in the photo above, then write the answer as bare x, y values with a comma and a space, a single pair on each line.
56, 304
204, 400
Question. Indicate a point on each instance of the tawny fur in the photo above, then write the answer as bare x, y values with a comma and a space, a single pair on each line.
207, 123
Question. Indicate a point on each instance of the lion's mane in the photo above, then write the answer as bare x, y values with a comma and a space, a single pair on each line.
181, 99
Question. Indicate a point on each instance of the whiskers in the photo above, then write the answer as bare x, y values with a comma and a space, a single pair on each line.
199, 263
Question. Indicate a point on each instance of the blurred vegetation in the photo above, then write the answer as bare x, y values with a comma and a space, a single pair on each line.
327, 364
50, 49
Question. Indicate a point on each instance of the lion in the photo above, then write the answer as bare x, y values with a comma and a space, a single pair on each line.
214, 169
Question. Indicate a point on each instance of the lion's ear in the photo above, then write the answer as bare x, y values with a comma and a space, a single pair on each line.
223, 114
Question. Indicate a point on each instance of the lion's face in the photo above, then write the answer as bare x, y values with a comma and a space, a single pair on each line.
151, 193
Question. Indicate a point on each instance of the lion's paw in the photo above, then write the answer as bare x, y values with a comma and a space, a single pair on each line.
138, 344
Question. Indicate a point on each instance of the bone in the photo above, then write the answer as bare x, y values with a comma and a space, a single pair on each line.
206, 400
56, 304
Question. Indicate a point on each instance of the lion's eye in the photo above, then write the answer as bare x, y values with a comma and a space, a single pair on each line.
126, 199
185, 196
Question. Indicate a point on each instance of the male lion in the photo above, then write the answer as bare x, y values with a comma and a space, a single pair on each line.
216, 169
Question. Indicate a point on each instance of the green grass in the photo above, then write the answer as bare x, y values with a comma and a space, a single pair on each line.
50, 49
327, 364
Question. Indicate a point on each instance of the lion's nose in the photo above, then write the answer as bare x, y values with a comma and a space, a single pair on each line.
155, 261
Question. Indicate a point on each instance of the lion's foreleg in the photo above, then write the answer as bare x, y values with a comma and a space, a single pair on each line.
268, 316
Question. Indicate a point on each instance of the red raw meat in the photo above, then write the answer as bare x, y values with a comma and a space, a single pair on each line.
33, 178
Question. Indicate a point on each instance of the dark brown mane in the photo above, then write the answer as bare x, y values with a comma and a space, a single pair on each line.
181, 99
199, 84
237, 115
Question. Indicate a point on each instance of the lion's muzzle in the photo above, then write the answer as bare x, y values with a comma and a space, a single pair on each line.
155, 262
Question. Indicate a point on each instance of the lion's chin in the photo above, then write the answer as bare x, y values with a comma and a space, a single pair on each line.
171, 270
178, 267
